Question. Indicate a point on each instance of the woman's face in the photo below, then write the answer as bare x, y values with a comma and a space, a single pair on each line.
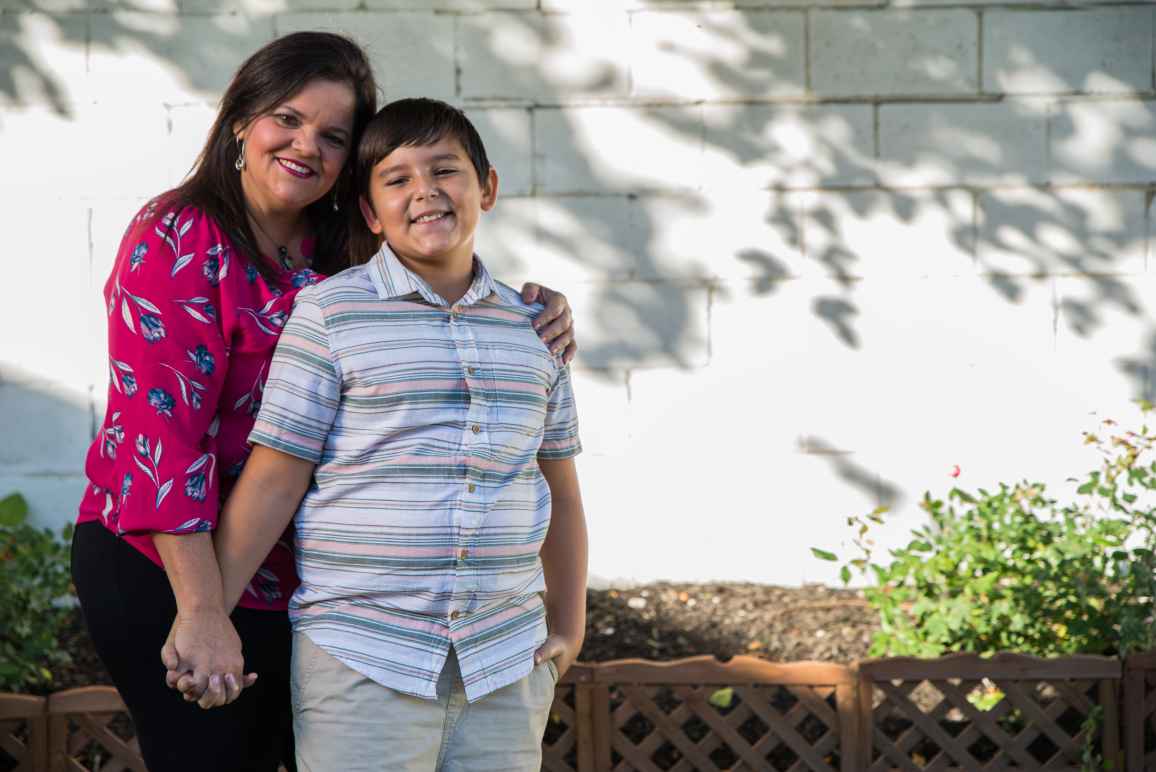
295, 152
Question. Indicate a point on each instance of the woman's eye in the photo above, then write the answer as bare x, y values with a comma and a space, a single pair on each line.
285, 119
336, 140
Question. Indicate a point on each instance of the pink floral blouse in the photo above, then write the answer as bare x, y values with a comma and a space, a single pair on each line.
191, 329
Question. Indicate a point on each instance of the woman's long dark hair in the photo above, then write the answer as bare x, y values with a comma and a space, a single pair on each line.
267, 79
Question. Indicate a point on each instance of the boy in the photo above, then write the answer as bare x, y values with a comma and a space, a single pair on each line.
438, 433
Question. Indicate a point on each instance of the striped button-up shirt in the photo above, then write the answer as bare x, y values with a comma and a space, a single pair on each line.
422, 529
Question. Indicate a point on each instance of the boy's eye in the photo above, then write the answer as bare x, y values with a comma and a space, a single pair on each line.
444, 172
395, 181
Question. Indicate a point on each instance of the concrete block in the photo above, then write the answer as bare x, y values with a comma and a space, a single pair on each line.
721, 235
641, 325
188, 131
1106, 341
759, 146
169, 59
948, 144
603, 399
543, 58
1102, 50
412, 53
117, 162
52, 499
506, 241
890, 53
452, 5
43, 57
716, 54
47, 425
875, 234
509, 141
621, 150
1062, 231
1103, 141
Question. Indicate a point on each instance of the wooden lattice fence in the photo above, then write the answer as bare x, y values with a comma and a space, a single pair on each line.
963, 712
1140, 712
955, 713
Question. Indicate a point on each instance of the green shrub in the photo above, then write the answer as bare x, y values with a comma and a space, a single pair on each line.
34, 585
1015, 570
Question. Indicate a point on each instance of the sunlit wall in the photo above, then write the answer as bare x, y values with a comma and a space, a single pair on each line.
821, 253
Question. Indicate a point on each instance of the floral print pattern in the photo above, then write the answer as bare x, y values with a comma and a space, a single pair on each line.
194, 332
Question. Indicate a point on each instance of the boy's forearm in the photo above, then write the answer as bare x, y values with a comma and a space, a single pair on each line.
564, 553
257, 512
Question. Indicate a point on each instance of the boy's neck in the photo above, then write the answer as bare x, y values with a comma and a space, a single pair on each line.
449, 277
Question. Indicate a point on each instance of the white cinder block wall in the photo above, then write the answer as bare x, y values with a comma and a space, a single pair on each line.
820, 251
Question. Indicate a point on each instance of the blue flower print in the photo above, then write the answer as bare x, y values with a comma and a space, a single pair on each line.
126, 486
196, 486
204, 361
251, 273
304, 278
152, 328
143, 449
129, 381
138, 256
193, 525
212, 268
162, 401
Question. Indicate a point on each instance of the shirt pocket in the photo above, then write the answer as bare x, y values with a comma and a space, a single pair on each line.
522, 376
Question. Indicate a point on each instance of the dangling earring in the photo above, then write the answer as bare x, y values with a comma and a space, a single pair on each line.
239, 164
335, 207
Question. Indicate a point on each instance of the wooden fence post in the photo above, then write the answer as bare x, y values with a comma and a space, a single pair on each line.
32, 754
1136, 710
847, 702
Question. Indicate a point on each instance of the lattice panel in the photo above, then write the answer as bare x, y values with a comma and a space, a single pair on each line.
97, 741
931, 724
677, 727
560, 743
23, 733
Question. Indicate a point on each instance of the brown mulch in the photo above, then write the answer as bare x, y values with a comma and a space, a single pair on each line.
665, 621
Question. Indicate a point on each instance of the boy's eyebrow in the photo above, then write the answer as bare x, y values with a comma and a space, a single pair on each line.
439, 157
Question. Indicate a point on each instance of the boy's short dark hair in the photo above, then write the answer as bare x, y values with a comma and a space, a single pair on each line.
412, 122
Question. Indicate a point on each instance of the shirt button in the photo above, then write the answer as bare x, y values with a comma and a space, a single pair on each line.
455, 614
472, 370
471, 487
465, 553
476, 429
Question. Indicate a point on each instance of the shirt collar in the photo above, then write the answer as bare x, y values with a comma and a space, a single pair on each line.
393, 281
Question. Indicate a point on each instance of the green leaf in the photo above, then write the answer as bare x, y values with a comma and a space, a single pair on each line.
722, 698
13, 510
824, 554
845, 574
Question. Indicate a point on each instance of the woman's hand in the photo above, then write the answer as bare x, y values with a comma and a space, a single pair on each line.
203, 657
555, 325
561, 649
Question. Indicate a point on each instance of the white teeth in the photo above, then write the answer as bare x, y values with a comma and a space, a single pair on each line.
431, 217
295, 166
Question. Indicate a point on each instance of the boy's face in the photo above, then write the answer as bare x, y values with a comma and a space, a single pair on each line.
426, 200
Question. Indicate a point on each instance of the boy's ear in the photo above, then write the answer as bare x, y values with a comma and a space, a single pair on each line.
490, 190
369, 215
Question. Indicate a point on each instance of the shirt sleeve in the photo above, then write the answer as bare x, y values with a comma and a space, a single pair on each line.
303, 390
167, 365
560, 436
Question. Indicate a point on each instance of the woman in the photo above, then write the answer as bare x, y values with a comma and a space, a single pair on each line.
203, 282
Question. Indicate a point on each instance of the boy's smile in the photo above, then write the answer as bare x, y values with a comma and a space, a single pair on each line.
425, 201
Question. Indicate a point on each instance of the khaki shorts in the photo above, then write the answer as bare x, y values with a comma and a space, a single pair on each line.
345, 722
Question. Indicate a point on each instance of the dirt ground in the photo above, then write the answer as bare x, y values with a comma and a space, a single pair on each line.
670, 621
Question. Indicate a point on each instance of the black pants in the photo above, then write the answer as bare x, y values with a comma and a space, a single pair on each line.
129, 607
